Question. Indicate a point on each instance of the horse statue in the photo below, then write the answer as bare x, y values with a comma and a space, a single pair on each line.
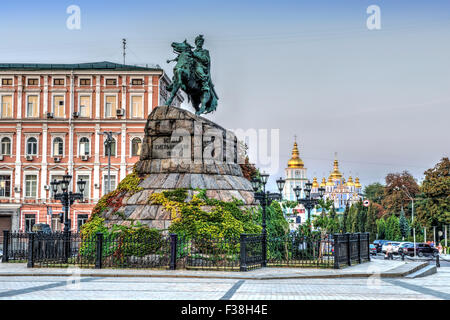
192, 74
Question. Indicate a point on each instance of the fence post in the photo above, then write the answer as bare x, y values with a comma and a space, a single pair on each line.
349, 249
173, 251
359, 248
5, 245
30, 263
336, 252
99, 251
368, 246
438, 265
243, 253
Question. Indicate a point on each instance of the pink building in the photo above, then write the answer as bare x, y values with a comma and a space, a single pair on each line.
51, 121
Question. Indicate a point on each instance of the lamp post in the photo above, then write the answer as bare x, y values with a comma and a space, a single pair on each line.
108, 142
67, 198
308, 201
265, 199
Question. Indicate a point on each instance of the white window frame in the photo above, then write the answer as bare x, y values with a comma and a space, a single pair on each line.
137, 78
104, 106
131, 106
53, 146
32, 77
27, 137
7, 77
90, 103
38, 105
58, 78
30, 173
131, 144
11, 94
53, 104
117, 147
10, 145
78, 145
10, 174
85, 173
85, 77
110, 78
114, 173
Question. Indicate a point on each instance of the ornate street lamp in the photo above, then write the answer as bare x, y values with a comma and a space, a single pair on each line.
308, 202
265, 199
67, 198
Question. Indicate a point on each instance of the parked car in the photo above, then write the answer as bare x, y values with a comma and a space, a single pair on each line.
422, 249
41, 228
373, 249
402, 246
394, 244
1, 253
379, 244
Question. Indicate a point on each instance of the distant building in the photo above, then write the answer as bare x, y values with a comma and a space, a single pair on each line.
336, 189
51, 120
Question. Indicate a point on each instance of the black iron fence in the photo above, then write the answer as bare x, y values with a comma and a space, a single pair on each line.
350, 248
175, 252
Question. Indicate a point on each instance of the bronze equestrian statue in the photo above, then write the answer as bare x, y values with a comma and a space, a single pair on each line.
192, 75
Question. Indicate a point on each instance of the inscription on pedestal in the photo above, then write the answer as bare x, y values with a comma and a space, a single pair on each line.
163, 147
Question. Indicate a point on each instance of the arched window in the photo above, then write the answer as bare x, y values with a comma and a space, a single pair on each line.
84, 147
136, 145
58, 146
32, 146
6, 146
113, 149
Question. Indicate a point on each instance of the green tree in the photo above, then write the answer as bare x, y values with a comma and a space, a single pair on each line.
393, 229
404, 225
371, 222
434, 209
381, 228
398, 187
374, 192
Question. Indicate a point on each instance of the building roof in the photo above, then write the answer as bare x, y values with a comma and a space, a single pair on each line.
104, 65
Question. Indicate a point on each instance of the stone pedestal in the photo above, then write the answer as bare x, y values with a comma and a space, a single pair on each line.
182, 150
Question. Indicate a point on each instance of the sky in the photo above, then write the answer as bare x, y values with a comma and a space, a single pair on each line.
312, 69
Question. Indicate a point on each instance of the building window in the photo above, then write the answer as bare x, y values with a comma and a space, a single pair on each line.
32, 107
85, 82
58, 106
105, 183
113, 149
7, 82
31, 186
57, 178
6, 111
81, 219
30, 221
58, 147
32, 146
84, 146
111, 82
137, 82
6, 146
87, 188
136, 145
136, 107
58, 82
56, 222
85, 106
33, 82
110, 106
5, 186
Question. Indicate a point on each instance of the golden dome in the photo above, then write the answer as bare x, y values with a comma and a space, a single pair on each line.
357, 184
315, 184
350, 182
295, 162
330, 181
323, 183
336, 174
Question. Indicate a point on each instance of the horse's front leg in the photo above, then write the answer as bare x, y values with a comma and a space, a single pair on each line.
205, 98
175, 88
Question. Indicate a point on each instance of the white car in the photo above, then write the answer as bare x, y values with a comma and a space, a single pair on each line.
394, 244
